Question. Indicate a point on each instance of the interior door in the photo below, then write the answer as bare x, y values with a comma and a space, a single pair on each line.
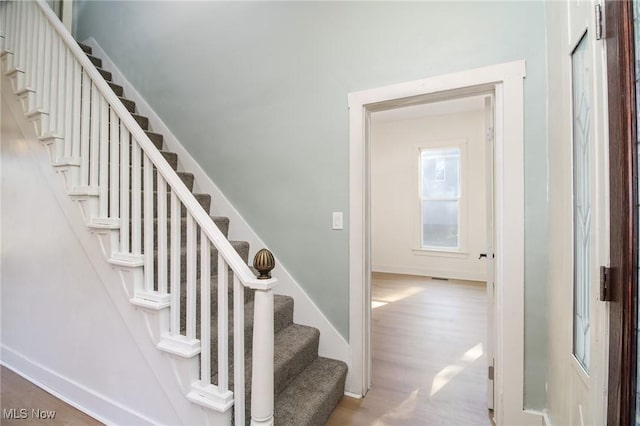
590, 236
489, 138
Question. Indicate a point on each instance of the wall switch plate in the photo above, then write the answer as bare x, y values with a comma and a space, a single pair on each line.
337, 220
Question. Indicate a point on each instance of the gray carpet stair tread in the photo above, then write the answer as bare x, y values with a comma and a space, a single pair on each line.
282, 319
311, 398
96, 61
105, 74
117, 89
85, 48
295, 348
131, 107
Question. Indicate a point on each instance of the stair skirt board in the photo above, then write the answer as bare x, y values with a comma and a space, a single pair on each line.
301, 395
332, 344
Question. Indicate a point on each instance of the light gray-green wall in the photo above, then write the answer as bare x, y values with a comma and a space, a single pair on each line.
257, 93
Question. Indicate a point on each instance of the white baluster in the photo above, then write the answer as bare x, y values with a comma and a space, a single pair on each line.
114, 175
191, 277
8, 32
85, 129
162, 234
76, 116
238, 351
22, 32
205, 310
52, 83
45, 71
15, 16
94, 159
175, 264
223, 324
60, 93
13, 29
68, 103
28, 70
125, 169
104, 158
136, 174
40, 59
148, 225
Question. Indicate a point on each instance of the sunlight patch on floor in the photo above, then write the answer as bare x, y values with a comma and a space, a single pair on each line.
448, 373
377, 304
390, 296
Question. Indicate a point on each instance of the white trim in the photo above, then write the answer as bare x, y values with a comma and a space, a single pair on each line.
507, 82
332, 344
71, 392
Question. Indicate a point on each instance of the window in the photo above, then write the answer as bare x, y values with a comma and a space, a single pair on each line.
440, 198
581, 203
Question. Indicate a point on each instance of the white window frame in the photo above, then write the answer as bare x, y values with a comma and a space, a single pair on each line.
461, 145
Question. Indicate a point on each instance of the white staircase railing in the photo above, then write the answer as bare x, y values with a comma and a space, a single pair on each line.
111, 166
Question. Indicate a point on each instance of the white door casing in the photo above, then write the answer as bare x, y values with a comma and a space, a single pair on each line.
506, 81
489, 138
587, 389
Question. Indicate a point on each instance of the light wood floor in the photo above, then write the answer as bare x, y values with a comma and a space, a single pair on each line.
18, 393
429, 363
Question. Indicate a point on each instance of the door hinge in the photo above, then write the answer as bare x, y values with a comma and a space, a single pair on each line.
490, 134
605, 284
491, 372
599, 23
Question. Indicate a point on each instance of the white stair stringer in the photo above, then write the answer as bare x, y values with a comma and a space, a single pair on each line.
332, 343
146, 324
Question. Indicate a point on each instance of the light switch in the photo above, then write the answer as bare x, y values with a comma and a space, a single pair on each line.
337, 220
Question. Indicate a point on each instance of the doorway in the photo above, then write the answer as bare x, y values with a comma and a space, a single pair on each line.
506, 81
431, 193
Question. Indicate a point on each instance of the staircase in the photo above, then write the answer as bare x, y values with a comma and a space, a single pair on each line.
242, 353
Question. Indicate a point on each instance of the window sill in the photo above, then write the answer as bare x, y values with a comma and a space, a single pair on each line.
440, 253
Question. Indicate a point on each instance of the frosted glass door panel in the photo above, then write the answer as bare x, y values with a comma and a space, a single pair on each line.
581, 202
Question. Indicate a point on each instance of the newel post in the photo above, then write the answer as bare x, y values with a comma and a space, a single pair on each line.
262, 373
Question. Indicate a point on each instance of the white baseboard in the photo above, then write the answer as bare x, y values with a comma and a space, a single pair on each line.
306, 312
430, 272
69, 391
